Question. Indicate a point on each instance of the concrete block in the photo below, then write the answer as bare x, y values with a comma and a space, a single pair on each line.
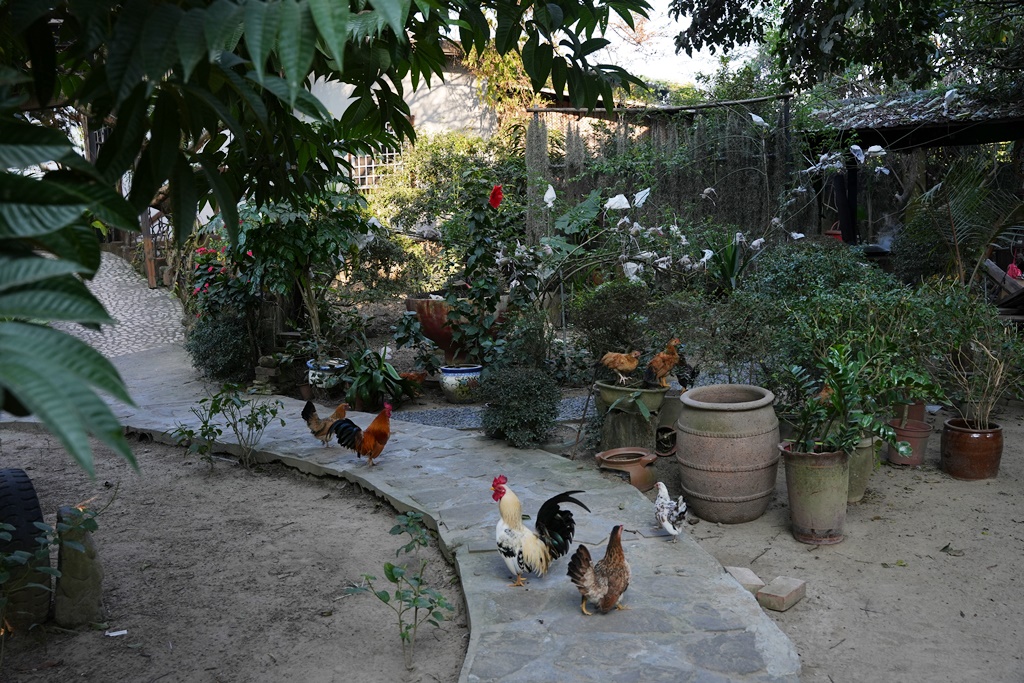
782, 593
747, 578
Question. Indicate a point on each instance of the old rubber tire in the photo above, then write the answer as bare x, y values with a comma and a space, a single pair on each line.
19, 507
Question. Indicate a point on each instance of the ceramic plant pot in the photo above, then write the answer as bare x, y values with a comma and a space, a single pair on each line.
634, 461
818, 485
916, 434
327, 373
461, 383
727, 448
970, 453
862, 464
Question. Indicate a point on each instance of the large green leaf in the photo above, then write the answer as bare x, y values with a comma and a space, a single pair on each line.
331, 20
59, 298
16, 271
261, 27
394, 13
296, 44
160, 51
223, 21
53, 375
124, 60
30, 207
23, 144
184, 198
102, 200
191, 40
74, 243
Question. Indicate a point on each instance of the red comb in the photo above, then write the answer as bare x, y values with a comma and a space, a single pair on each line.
499, 480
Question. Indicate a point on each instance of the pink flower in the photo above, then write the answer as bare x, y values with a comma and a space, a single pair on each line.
210, 269
249, 253
196, 290
206, 287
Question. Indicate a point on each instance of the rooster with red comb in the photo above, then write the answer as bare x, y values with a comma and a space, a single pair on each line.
525, 550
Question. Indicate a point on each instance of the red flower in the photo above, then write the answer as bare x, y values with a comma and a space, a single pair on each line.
496, 197
196, 290
249, 253
210, 269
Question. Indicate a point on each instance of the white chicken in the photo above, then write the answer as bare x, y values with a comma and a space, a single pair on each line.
671, 514
527, 551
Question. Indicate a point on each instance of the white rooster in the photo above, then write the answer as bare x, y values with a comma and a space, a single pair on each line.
525, 550
671, 514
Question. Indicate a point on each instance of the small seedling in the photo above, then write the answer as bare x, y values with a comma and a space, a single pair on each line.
411, 593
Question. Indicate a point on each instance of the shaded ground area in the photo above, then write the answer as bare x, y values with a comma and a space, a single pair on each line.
227, 575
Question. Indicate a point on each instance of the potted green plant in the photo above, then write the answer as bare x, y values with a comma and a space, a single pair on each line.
981, 364
372, 380
829, 415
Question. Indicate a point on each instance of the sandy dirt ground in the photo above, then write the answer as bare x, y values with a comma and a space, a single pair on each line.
227, 574
232, 575
927, 585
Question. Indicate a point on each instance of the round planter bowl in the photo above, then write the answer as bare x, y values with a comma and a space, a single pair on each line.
461, 383
633, 461
610, 393
969, 453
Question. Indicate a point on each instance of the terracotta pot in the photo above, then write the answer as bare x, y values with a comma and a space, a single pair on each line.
433, 317
634, 461
916, 434
726, 445
817, 485
915, 411
970, 453
862, 464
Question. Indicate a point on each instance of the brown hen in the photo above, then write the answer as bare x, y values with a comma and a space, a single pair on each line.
621, 363
604, 582
662, 364
321, 428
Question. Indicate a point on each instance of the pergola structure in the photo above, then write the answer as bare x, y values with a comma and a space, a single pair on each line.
912, 121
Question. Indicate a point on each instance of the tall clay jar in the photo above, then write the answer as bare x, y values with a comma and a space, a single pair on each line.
970, 453
727, 448
817, 485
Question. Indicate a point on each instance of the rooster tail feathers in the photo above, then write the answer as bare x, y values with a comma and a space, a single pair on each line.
308, 411
556, 526
650, 375
348, 433
551, 504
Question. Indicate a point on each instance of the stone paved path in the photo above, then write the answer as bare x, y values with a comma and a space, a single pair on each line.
145, 317
688, 620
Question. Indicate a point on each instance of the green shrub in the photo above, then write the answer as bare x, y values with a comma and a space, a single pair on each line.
613, 317
221, 348
522, 406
